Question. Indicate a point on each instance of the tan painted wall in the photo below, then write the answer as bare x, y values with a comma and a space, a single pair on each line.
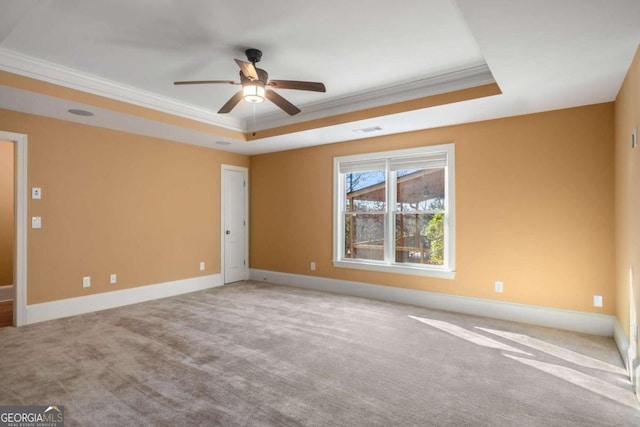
113, 202
6, 213
627, 191
534, 206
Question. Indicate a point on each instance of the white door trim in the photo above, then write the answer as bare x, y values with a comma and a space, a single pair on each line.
20, 261
245, 171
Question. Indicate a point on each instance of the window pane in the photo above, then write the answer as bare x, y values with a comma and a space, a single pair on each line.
420, 189
364, 236
420, 238
365, 191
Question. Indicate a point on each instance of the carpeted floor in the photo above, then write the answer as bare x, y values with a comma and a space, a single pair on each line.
252, 354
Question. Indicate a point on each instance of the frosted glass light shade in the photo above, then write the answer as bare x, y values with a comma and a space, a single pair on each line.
253, 93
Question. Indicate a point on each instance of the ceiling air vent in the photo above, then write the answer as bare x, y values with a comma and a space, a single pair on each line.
369, 129
83, 113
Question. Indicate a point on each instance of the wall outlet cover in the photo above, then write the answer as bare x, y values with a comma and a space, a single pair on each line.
202, 266
499, 286
86, 282
597, 300
113, 279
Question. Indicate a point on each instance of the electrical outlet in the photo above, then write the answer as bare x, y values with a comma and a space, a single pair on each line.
499, 286
597, 300
202, 266
113, 279
86, 282
313, 266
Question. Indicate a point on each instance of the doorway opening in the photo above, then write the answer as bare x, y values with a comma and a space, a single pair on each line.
633, 337
7, 231
17, 293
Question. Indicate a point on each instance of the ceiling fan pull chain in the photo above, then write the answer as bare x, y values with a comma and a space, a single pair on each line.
253, 126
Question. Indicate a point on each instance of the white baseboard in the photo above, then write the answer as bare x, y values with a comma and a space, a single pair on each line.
590, 323
106, 300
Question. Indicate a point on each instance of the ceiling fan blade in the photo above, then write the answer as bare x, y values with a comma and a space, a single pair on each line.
288, 107
248, 69
232, 102
206, 82
293, 84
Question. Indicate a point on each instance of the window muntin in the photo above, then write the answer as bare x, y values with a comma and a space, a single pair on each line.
394, 211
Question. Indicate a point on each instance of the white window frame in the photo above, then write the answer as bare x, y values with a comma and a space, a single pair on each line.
447, 270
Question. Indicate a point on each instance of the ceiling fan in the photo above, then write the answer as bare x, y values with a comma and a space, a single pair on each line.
256, 85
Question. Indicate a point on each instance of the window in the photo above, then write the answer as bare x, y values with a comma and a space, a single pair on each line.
393, 211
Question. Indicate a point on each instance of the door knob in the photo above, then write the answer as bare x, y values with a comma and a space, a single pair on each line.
228, 232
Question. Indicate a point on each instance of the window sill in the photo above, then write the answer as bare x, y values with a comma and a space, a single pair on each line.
440, 273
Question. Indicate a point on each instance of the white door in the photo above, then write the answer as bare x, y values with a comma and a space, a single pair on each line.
234, 229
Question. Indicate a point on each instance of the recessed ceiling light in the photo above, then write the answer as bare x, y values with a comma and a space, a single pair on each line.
83, 113
223, 142
369, 129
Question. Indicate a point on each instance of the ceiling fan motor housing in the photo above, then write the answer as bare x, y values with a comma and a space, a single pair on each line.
253, 55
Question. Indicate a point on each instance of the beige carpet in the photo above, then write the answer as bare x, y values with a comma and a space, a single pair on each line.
251, 354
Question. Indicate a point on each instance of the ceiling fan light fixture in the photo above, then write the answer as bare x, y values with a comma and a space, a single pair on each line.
253, 92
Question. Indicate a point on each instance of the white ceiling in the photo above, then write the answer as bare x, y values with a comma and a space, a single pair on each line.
544, 55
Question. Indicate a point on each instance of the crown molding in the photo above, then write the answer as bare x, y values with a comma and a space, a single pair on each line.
456, 80
28, 66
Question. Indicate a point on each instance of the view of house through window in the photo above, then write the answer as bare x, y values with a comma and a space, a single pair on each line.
394, 208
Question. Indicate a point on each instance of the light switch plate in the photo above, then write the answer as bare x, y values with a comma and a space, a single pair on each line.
36, 193
36, 222
113, 279
86, 282
202, 266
